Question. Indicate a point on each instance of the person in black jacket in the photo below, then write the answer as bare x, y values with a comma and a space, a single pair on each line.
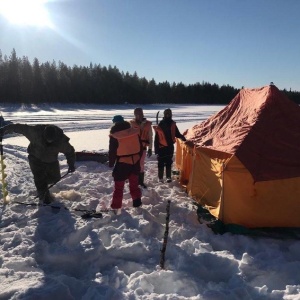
46, 141
165, 133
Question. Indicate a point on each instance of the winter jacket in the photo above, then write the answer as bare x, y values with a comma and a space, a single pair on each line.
125, 149
165, 133
145, 132
38, 146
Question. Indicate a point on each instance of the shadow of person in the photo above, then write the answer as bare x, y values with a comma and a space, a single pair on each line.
63, 262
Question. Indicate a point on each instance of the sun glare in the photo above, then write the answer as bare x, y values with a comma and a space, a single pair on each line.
25, 12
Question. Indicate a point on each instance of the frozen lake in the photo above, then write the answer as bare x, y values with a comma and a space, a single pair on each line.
91, 123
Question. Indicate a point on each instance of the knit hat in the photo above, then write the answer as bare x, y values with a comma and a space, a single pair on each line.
117, 118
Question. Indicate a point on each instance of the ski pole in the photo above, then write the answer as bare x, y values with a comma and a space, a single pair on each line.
41, 204
50, 186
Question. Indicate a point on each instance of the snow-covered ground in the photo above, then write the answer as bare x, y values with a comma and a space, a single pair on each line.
55, 254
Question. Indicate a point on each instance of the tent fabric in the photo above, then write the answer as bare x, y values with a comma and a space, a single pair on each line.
261, 127
273, 203
243, 164
185, 156
206, 185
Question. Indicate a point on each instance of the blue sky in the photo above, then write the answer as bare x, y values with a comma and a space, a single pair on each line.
237, 42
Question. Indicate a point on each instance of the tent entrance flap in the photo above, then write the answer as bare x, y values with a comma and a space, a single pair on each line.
205, 184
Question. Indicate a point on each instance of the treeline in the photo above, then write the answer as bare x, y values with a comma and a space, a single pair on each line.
23, 82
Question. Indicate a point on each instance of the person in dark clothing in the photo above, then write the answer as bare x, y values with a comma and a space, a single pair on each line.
46, 141
146, 134
165, 133
125, 150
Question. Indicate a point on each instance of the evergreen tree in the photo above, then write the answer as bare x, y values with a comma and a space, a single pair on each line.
64, 89
26, 80
38, 91
13, 89
51, 82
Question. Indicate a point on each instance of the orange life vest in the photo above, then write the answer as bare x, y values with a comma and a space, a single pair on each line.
129, 145
161, 135
145, 128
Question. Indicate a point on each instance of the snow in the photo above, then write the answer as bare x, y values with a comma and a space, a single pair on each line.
55, 254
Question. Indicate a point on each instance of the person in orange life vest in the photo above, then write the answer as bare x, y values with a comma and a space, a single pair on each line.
145, 128
165, 133
125, 149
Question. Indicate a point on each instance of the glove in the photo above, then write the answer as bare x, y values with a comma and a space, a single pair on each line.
110, 167
71, 169
149, 153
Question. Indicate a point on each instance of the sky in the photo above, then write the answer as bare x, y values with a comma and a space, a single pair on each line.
247, 43
51, 254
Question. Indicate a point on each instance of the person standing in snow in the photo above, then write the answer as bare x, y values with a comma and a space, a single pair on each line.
46, 141
165, 133
125, 150
146, 135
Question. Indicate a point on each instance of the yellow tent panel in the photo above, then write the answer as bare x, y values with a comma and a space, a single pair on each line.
273, 203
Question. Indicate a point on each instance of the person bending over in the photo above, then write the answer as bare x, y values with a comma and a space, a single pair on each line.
46, 142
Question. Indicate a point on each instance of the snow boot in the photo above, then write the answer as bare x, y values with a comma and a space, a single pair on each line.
48, 198
116, 212
168, 173
137, 202
45, 197
160, 174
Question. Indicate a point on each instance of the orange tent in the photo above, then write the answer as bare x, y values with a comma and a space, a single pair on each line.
243, 163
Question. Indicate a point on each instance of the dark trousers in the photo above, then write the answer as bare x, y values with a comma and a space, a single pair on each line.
165, 161
43, 173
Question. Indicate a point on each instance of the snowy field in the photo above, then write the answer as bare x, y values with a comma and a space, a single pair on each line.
55, 254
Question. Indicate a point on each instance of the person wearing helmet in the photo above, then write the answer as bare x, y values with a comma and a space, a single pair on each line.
46, 142
165, 133
145, 128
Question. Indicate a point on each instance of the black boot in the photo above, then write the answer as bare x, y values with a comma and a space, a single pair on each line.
141, 180
168, 173
137, 202
160, 174
45, 197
